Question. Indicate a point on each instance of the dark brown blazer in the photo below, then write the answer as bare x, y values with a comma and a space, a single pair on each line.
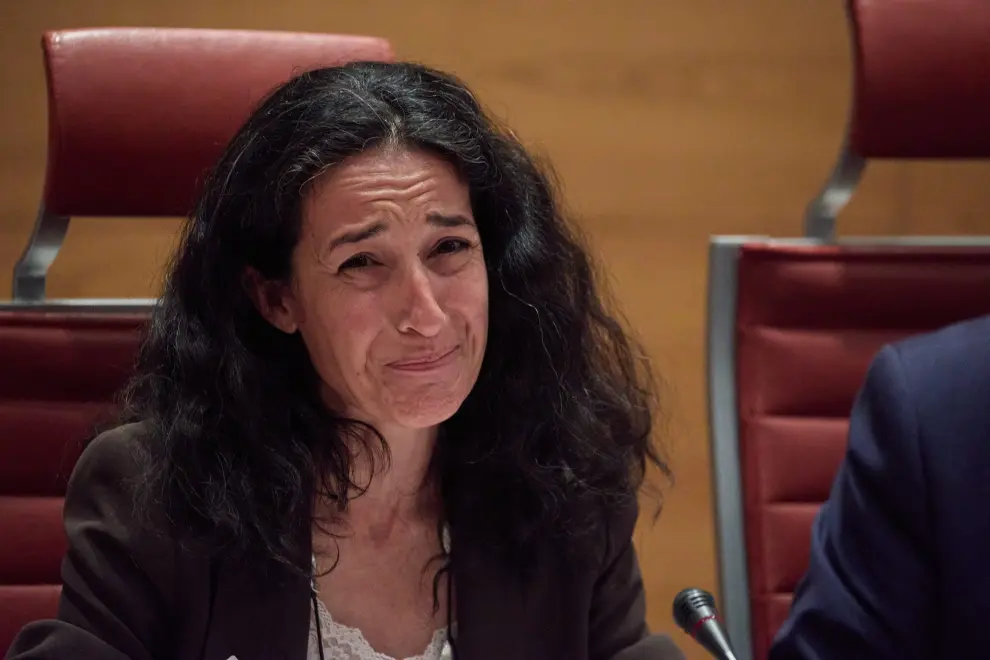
131, 594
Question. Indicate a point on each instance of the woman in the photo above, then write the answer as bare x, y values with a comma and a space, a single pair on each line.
381, 411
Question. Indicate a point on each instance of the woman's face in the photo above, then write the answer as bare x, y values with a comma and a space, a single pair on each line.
389, 290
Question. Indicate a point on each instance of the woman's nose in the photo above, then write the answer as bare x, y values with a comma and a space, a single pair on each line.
420, 310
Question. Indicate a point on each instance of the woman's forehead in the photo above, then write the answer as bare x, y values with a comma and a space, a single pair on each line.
378, 183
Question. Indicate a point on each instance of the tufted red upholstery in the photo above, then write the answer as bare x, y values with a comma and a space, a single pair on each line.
59, 374
136, 117
808, 322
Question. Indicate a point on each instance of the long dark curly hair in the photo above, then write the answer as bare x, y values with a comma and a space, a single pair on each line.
558, 428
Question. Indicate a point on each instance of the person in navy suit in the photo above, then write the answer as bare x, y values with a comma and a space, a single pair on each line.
900, 552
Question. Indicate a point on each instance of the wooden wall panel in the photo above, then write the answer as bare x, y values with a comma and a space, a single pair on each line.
667, 122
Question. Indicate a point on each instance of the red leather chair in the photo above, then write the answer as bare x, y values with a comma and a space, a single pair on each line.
794, 322
136, 118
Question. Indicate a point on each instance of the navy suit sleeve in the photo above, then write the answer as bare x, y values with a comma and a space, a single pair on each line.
869, 588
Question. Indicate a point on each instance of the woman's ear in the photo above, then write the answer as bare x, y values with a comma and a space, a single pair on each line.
273, 300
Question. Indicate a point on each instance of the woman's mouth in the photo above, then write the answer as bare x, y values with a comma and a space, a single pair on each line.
425, 363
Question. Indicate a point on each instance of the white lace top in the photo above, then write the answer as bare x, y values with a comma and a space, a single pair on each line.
342, 642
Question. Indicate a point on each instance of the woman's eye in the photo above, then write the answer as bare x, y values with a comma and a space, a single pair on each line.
357, 261
451, 245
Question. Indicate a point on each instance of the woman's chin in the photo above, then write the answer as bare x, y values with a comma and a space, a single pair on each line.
426, 411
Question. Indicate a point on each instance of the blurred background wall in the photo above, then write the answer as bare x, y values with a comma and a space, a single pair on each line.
667, 122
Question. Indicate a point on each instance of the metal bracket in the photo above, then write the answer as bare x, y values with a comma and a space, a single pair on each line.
820, 215
31, 269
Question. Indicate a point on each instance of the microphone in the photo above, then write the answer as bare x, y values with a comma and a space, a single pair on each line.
695, 613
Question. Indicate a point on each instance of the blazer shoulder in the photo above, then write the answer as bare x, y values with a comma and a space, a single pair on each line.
104, 488
953, 352
106, 492
942, 381
620, 524
116, 453
609, 530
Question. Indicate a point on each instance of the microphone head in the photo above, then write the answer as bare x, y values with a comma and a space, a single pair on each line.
691, 607
695, 613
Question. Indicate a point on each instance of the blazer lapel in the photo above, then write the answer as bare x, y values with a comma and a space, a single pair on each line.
492, 621
258, 614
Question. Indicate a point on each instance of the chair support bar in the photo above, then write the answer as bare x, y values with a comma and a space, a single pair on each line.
820, 215
31, 269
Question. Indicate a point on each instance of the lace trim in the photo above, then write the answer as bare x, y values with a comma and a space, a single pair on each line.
342, 642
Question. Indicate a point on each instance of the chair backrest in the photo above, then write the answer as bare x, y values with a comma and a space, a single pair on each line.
136, 119
137, 116
58, 376
794, 322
